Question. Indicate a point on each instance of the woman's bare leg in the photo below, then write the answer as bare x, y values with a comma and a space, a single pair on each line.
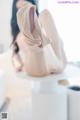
50, 28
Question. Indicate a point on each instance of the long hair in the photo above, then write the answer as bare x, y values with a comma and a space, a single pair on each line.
14, 26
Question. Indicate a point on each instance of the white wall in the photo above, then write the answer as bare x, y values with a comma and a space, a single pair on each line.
5, 15
67, 19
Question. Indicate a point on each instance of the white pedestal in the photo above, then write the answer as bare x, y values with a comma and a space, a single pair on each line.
49, 100
73, 105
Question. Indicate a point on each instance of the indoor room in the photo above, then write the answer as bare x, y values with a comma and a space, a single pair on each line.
39, 60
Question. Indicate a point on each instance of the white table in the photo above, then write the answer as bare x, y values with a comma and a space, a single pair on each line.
19, 87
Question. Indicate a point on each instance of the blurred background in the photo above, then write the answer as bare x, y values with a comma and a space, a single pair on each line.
67, 20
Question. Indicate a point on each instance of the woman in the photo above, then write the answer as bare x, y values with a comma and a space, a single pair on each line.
44, 53
15, 30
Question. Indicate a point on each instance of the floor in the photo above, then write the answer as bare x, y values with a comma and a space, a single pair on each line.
18, 92
19, 88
